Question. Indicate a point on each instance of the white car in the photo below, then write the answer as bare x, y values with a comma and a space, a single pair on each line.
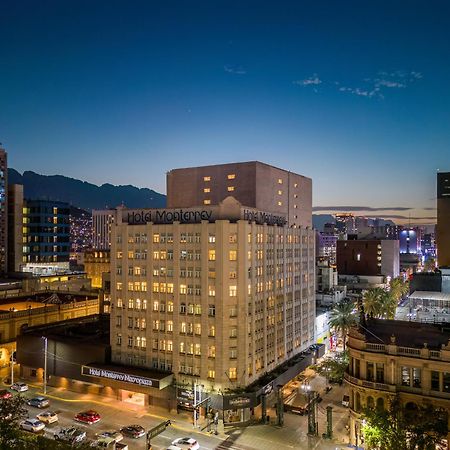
33, 425
19, 387
48, 417
116, 435
185, 443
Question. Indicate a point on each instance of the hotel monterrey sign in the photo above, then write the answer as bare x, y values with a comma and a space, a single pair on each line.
192, 215
119, 376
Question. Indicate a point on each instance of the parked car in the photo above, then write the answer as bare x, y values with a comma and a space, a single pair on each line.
48, 417
134, 431
346, 400
33, 425
116, 435
5, 394
38, 402
88, 417
186, 443
72, 435
19, 387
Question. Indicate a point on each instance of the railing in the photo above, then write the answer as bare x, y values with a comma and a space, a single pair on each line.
375, 347
409, 351
369, 384
435, 354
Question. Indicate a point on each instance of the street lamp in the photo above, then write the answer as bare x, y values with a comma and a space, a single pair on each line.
311, 408
45, 363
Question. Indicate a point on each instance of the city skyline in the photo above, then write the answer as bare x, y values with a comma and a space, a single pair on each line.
123, 93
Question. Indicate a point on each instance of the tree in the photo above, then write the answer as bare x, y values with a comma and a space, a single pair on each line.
333, 368
430, 265
12, 411
404, 428
379, 303
342, 318
399, 288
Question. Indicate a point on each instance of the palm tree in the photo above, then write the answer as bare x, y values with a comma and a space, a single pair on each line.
399, 288
342, 318
372, 301
388, 305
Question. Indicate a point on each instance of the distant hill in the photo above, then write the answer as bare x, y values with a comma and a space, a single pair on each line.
82, 194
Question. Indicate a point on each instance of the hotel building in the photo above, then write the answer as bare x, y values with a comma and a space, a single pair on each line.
215, 293
3, 211
388, 359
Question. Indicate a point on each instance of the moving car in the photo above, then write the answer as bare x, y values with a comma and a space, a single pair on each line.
72, 435
48, 417
38, 402
33, 425
116, 435
134, 431
88, 417
186, 443
19, 387
5, 394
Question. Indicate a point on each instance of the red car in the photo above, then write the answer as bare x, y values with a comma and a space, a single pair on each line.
5, 394
88, 417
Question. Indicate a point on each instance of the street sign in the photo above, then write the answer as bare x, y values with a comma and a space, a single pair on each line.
155, 431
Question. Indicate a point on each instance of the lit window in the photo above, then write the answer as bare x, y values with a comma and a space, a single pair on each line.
211, 255
230, 188
280, 203
233, 255
358, 257
295, 184
295, 206
295, 195
280, 192
206, 190
207, 202
211, 373
232, 373
280, 181
231, 176
233, 291
206, 178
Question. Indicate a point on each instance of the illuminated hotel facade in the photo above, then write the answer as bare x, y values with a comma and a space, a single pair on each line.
218, 293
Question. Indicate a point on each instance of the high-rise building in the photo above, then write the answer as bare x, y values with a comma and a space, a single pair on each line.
3, 211
15, 227
46, 236
253, 184
443, 219
102, 220
216, 293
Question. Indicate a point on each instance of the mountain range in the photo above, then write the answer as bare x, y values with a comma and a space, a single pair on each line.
82, 194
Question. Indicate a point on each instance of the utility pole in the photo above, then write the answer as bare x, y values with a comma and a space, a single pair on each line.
45, 363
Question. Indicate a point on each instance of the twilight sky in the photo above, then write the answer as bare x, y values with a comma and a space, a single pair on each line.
354, 94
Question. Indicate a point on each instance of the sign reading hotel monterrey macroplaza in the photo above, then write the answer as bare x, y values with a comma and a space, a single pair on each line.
119, 376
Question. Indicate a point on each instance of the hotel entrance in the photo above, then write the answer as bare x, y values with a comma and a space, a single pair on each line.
134, 398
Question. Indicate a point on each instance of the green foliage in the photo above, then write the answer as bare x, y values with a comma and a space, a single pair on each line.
333, 368
342, 318
399, 288
380, 303
400, 428
12, 411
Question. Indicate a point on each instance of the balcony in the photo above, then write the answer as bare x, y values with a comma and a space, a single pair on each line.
370, 384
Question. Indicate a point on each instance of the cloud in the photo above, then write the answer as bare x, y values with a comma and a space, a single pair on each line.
236, 70
369, 87
314, 81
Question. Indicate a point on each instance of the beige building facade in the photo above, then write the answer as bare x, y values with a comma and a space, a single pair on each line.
401, 359
219, 294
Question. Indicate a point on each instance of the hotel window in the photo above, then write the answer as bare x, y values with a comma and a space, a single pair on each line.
232, 373
233, 275
131, 254
197, 309
119, 339
170, 306
156, 238
183, 328
144, 304
119, 286
231, 176
183, 289
230, 188
280, 192
190, 309
435, 381
119, 303
118, 321
212, 310
280, 181
169, 346
182, 347
212, 331
233, 353
170, 325
416, 377
280, 203
211, 374
198, 329
233, 291
130, 303
137, 270
143, 342
206, 202
233, 255
233, 332
295, 184
212, 351
130, 341
143, 324
155, 287
197, 351
295, 206
138, 341
211, 291
406, 376
212, 238
182, 308
295, 196
206, 178
155, 306
211, 255
119, 255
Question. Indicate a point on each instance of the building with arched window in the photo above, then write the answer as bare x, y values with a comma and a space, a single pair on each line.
397, 359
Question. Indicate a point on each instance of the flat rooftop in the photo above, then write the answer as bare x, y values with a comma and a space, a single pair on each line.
407, 334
